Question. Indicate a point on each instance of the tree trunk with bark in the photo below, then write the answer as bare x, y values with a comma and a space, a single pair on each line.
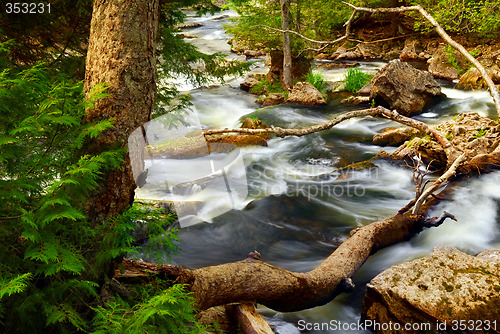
287, 50
121, 54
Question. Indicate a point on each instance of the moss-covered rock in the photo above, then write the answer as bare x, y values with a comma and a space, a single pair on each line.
445, 286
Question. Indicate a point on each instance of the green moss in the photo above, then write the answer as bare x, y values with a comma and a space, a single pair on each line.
359, 165
447, 287
480, 133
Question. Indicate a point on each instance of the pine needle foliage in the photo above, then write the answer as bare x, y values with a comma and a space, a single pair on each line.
164, 310
52, 259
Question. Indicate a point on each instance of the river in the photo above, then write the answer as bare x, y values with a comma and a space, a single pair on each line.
297, 209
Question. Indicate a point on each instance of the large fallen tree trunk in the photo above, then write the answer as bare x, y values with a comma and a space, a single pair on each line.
282, 290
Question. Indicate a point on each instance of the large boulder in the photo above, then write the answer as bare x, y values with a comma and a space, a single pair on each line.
305, 93
447, 286
403, 87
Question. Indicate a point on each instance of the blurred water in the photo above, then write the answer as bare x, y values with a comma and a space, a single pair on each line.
299, 208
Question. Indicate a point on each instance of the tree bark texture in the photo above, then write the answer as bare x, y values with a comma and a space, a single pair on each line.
121, 54
287, 50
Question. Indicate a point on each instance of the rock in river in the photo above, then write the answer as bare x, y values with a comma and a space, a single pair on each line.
404, 87
305, 93
444, 286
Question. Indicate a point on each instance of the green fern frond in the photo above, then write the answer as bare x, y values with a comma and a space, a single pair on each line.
15, 285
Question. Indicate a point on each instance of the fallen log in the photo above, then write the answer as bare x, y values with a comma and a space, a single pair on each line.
253, 280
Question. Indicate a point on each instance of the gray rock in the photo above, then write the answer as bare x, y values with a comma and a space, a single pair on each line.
248, 83
444, 286
186, 25
273, 99
305, 93
403, 87
440, 67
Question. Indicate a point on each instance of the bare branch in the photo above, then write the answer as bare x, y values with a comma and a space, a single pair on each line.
378, 111
491, 85
445, 177
281, 132
306, 38
382, 40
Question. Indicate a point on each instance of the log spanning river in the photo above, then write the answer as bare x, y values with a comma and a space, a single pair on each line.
295, 209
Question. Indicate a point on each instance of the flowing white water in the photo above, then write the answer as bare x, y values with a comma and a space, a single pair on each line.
299, 208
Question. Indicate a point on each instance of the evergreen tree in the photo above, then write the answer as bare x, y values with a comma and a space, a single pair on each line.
56, 264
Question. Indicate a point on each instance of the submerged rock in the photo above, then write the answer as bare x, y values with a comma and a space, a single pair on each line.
236, 140
445, 286
394, 137
403, 87
305, 93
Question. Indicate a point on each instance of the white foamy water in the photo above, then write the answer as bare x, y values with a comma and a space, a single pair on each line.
216, 110
298, 208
